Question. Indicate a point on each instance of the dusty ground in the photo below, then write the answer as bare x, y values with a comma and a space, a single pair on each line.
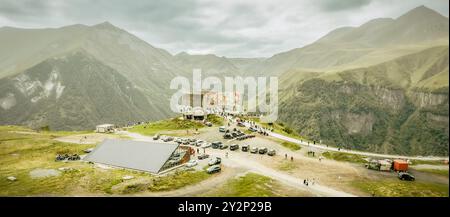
335, 175
89, 138
269, 166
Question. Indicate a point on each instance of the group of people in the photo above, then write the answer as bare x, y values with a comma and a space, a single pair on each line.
286, 156
309, 181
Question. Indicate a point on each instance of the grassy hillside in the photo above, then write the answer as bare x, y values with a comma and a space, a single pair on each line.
71, 93
382, 108
166, 125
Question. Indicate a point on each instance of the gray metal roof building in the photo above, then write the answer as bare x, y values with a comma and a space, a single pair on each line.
138, 155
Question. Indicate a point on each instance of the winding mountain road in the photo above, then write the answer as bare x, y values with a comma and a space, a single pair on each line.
368, 154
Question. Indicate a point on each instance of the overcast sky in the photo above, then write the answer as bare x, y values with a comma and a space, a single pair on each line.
232, 28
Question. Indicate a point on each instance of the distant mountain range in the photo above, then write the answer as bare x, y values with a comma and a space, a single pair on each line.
382, 86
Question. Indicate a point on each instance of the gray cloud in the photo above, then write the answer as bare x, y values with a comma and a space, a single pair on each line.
25, 10
333, 5
232, 28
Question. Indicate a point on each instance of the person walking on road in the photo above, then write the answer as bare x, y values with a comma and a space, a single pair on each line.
292, 158
285, 156
226, 154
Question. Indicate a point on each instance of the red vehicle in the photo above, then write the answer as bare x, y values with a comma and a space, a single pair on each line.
400, 165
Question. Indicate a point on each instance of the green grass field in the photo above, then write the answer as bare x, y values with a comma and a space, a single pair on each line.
23, 150
215, 119
292, 146
249, 185
279, 128
435, 171
174, 181
339, 156
166, 125
398, 188
430, 162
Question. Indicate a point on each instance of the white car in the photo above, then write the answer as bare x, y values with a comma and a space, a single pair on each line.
206, 145
192, 163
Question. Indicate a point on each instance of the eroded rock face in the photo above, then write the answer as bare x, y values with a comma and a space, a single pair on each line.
8, 101
37, 89
358, 123
426, 99
369, 117
390, 97
70, 93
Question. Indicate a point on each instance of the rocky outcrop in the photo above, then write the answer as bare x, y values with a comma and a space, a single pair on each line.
428, 99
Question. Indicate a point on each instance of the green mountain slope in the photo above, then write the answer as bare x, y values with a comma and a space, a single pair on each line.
400, 106
213, 65
150, 69
71, 93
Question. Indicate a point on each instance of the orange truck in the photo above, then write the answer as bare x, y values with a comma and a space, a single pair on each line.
400, 165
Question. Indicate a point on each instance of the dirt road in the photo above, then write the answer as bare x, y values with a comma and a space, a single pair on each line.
89, 138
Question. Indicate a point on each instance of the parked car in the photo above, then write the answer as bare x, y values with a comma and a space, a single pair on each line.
216, 144
209, 124
222, 129
406, 176
89, 150
234, 147
206, 145
223, 146
234, 134
192, 163
214, 161
227, 136
156, 137
253, 129
245, 148
213, 169
64, 157
262, 150
271, 152
203, 156
241, 124
254, 150
178, 140
168, 139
